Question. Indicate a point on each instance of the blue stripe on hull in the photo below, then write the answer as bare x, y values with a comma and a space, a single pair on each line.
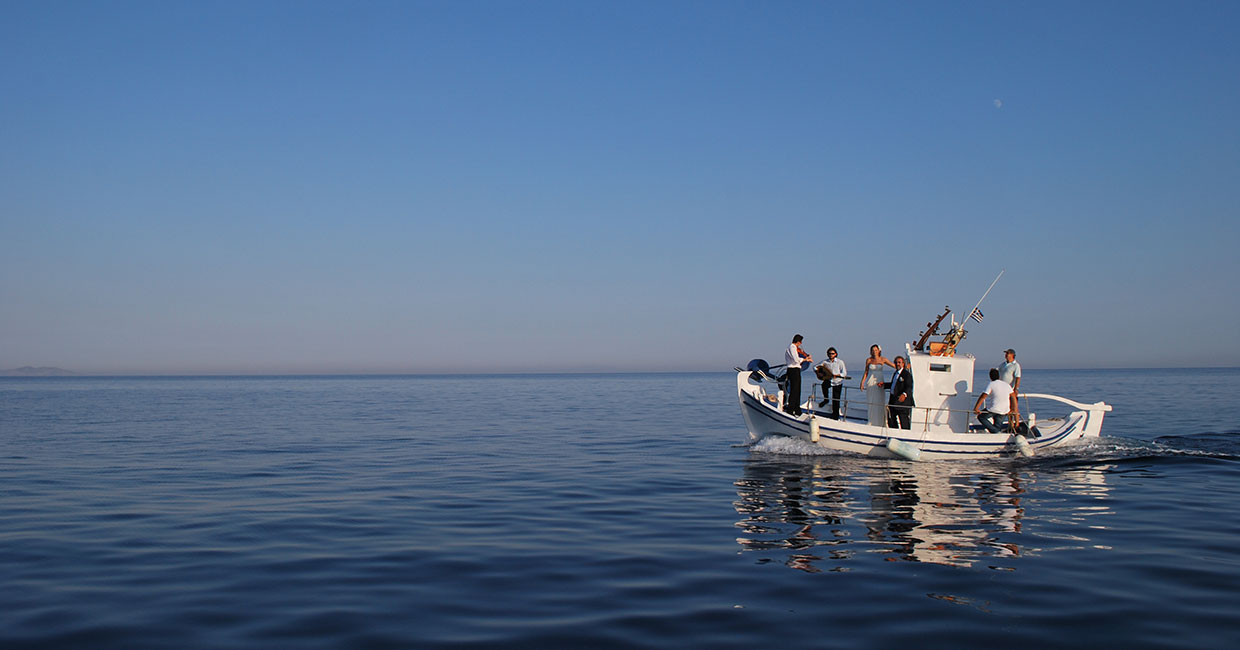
825, 431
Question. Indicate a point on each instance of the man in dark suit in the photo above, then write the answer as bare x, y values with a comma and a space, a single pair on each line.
900, 404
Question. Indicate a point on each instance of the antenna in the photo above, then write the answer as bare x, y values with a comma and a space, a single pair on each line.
957, 333
979, 301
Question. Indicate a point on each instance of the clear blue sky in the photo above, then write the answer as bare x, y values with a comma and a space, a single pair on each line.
259, 187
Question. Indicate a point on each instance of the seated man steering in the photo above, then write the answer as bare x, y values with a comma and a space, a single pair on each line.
1000, 402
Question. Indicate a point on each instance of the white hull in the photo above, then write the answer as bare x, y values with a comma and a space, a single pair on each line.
932, 437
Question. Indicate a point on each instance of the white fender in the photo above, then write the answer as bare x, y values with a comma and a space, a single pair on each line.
906, 450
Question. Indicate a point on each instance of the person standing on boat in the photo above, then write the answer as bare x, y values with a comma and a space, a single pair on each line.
1000, 401
872, 383
793, 357
900, 405
1009, 370
831, 387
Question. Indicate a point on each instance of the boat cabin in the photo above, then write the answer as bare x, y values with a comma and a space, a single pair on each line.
942, 389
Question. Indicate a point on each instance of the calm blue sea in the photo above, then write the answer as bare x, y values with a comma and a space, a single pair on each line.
595, 511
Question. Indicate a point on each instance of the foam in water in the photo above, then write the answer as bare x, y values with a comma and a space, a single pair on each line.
791, 447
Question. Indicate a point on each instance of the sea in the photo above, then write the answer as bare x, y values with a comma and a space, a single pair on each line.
597, 511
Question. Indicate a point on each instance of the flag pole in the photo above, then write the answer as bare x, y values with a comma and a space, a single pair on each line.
979, 301
956, 335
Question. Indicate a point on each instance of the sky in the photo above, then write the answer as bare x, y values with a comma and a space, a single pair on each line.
504, 186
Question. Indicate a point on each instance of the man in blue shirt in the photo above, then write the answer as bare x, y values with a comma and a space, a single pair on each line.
833, 375
1009, 370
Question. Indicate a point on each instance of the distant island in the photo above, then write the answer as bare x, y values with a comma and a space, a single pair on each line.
31, 371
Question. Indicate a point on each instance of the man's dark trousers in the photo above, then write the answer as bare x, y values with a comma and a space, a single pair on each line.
792, 394
897, 414
835, 399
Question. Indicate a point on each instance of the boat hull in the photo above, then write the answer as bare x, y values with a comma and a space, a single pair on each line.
763, 417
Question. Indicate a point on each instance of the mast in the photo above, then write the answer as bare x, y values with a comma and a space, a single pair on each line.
956, 335
979, 300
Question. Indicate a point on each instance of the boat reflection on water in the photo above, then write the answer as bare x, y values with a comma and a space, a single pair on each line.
821, 513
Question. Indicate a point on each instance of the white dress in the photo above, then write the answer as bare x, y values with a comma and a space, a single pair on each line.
874, 395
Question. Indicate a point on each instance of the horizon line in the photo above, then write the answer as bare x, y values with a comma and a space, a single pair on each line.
9, 374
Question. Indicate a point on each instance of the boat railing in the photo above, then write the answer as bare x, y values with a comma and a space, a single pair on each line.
1097, 406
939, 411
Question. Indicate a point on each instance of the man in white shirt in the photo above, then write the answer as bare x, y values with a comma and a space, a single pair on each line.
833, 377
1009, 370
793, 357
1000, 402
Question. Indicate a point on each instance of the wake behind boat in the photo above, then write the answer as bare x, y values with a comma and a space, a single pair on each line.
940, 427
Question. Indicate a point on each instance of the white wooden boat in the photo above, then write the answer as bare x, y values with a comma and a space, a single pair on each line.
941, 420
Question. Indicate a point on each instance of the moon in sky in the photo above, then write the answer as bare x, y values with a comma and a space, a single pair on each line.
998, 103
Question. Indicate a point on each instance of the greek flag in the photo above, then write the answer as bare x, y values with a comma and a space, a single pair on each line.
976, 315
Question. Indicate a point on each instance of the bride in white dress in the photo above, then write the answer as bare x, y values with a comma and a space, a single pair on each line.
872, 382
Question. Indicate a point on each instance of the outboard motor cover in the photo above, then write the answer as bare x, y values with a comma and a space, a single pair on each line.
760, 366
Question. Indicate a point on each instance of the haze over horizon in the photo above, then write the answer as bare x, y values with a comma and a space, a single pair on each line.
423, 187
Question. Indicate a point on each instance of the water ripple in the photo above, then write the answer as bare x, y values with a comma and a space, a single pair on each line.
366, 512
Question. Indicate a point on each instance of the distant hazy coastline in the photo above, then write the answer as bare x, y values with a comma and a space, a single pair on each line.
31, 371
